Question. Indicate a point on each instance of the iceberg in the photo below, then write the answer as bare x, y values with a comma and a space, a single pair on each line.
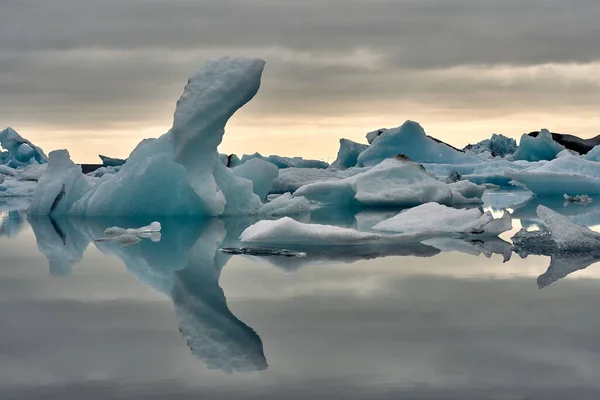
347, 156
20, 152
118, 231
371, 136
287, 162
183, 163
566, 235
571, 142
285, 205
111, 162
291, 179
541, 147
497, 146
394, 182
567, 174
261, 173
410, 139
438, 220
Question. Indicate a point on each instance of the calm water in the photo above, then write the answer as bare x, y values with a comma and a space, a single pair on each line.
177, 319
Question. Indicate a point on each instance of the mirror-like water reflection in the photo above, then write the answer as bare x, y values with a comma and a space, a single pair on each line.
178, 318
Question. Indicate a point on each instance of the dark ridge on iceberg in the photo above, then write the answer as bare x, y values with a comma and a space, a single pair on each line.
572, 142
449, 145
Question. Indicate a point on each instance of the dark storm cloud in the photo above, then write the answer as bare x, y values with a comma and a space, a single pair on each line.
83, 63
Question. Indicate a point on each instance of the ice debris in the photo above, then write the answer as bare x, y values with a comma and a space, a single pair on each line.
287, 162
579, 199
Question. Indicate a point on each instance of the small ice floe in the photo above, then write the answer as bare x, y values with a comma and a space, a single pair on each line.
261, 252
132, 236
582, 199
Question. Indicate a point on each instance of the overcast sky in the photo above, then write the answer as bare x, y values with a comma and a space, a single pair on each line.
98, 76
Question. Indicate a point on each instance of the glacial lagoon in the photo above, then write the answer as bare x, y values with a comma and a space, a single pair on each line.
180, 319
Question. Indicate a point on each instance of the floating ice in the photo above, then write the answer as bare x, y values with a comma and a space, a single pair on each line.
567, 174
20, 151
542, 147
392, 183
261, 173
285, 205
117, 231
492, 172
347, 156
438, 220
410, 139
291, 179
287, 162
566, 235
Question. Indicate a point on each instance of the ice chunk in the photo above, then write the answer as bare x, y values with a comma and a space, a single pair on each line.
497, 146
569, 174
20, 151
117, 231
438, 220
32, 172
542, 147
593, 155
11, 188
493, 172
285, 205
410, 139
566, 235
393, 183
347, 156
261, 173
60, 187
100, 172
287, 231
111, 162
468, 190
580, 199
287, 162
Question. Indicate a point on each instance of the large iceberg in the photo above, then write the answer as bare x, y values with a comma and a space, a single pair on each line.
176, 174
572, 142
348, 153
497, 146
410, 139
19, 152
541, 147
394, 182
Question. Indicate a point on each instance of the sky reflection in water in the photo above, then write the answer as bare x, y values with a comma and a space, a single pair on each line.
183, 320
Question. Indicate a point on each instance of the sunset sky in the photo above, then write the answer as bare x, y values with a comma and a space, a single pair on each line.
99, 76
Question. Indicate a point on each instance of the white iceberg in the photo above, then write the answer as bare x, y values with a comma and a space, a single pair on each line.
438, 220
410, 139
541, 147
394, 182
118, 231
261, 173
567, 235
348, 153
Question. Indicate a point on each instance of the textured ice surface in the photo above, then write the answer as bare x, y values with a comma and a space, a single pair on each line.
568, 174
497, 146
438, 220
410, 139
566, 235
392, 183
287, 162
291, 179
347, 156
542, 147
371, 136
117, 231
261, 173
19, 151
493, 172
579, 199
